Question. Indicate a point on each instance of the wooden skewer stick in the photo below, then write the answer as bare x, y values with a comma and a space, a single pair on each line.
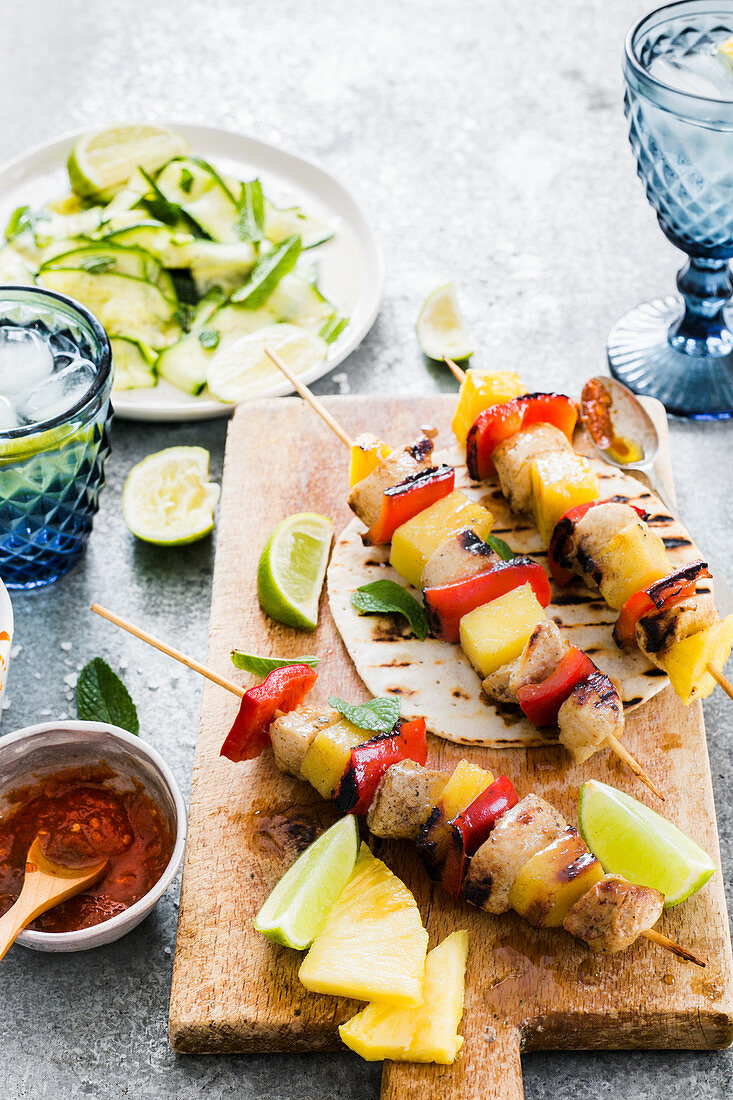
174, 653
455, 370
312, 400
670, 945
623, 754
719, 678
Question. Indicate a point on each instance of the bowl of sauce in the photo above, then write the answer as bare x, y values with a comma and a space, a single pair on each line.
91, 791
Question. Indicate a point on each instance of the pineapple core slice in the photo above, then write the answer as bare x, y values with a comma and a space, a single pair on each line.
425, 1034
372, 946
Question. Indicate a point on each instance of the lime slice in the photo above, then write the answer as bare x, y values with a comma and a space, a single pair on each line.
631, 840
292, 568
102, 162
168, 498
441, 331
296, 910
242, 369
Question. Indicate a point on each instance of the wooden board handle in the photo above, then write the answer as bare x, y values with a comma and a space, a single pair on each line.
489, 1066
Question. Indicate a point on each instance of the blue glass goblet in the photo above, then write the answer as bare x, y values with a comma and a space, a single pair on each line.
679, 103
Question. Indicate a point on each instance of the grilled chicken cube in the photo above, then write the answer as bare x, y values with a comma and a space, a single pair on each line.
518, 835
466, 784
538, 660
659, 631
497, 685
404, 800
414, 541
554, 879
611, 915
365, 498
293, 734
633, 559
464, 555
591, 713
593, 532
513, 460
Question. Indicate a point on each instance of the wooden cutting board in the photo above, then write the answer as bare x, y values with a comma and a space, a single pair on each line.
526, 989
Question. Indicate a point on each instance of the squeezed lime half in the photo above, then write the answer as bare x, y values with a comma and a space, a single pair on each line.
296, 910
292, 569
168, 498
441, 330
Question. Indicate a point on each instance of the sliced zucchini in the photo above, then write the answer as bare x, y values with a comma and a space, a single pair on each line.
206, 306
164, 243
213, 208
292, 221
15, 270
101, 258
214, 263
299, 302
57, 227
122, 303
186, 363
133, 365
185, 179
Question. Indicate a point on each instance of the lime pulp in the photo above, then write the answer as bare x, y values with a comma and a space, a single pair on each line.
292, 569
168, 499
102, 162
441, 330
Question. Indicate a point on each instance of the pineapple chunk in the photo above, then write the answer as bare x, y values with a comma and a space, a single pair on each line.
415, 541
425, 1034
466, 784
329, 754
497, 632
687, 661
366, 453
553, 880
479, 390
373, 944
633, 559
560, 480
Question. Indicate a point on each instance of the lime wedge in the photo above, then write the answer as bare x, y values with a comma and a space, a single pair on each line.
168, 498
292, 568
441, 331
242, 369
296, 910
631, 840
102, 162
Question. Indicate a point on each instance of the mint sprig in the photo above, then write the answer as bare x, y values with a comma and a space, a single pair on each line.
387, 597
376, 716
261, 666
102, 697
503, 549
267, 273
251, 205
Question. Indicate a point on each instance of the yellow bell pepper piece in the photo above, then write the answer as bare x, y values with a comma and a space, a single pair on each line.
479, 390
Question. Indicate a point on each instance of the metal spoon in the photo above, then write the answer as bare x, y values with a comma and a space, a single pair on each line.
630, 421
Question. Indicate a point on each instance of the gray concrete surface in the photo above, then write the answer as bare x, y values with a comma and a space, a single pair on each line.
486, 142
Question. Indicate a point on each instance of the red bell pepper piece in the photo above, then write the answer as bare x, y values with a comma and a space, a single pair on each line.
541, 702
446, 604
403, 501
471, 827
500, 422
669, 590
284, 689
559, 549
370, 760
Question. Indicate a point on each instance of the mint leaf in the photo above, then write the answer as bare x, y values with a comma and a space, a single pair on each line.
386, 597
503, 549
261, 666
251, 205
20, 220
377, 716
186, 180
267, 273
333, 328
102, 697
209, 338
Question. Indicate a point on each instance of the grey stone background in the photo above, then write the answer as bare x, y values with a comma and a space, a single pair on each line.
487, 144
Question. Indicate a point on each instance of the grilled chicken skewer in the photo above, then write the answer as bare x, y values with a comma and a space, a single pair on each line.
594, 718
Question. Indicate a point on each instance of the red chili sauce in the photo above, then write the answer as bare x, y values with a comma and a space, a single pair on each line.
596, 406
81, 818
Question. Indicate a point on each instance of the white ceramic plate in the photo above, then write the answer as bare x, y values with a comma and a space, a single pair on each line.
351, 269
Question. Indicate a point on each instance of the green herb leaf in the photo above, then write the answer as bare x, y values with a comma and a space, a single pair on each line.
209, 338
503, 549
377, 716
333, 328
181, 315
186, 180
96, 265
20, 220
102, 697
267, 273
260, 666
251, 205
386, 597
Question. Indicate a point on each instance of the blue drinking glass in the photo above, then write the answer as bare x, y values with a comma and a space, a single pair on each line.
52, 472
680, 349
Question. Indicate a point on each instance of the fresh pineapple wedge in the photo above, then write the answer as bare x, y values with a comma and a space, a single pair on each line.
687, 661
372, 946
633, 559
367, 451
480, 390
553, 880
497, 632
328, 756
425, 1034
414, 541
560, 480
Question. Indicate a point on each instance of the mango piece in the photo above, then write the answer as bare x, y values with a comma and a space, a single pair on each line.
466, 783
553, 880
686, 662
560, 480
497, 632
327, 758
366, 453
425, 1034
416, 540
480, 390
633, 559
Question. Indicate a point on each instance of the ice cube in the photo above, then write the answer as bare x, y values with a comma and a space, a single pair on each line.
8, 415
62, 345
701, 74
25, 360
55, 395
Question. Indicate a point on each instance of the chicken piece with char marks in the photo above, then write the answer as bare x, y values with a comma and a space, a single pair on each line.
613, 913
513, 461
592, 712
365, 498
464, 555
404, 800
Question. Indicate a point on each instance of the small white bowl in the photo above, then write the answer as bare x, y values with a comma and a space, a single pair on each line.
29, 754
6, 637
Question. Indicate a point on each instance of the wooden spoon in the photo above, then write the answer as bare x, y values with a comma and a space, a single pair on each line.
45, 884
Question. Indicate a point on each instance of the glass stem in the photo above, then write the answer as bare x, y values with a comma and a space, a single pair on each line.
706, 288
